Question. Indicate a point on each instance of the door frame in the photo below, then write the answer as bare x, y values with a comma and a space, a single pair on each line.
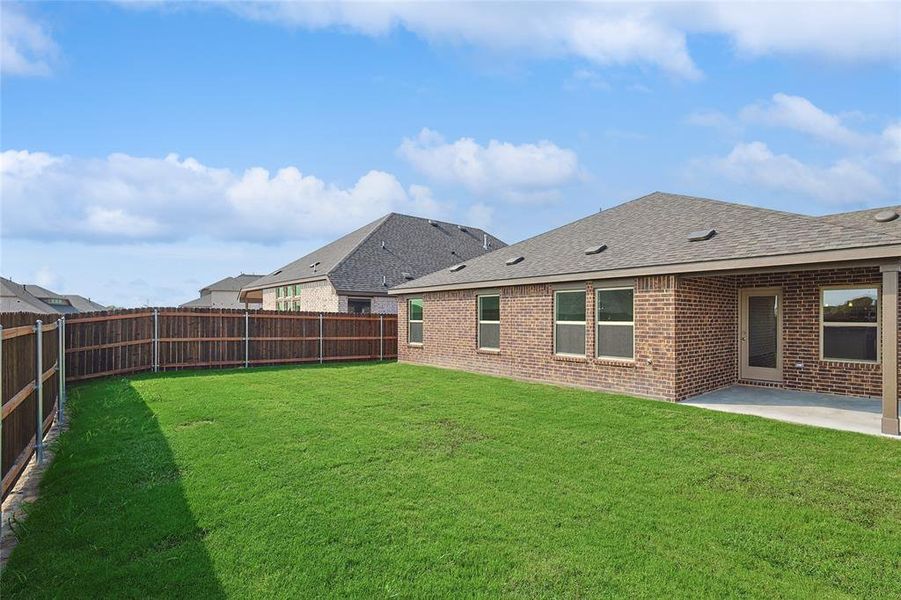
744, 370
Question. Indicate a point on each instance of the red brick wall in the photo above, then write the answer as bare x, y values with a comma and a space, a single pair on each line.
706, 335
801, 332
686, 336
526, 346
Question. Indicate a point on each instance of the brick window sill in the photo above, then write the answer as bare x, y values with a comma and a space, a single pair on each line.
848, 364
487, 351
572, 359
413, 345
612, 362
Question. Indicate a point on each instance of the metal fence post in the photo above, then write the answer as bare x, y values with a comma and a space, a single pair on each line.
61, 368
39, 389
246, 340
381, 337
320, 338
156, 340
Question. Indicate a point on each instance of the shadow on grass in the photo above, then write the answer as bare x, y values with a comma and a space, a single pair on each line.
112, 519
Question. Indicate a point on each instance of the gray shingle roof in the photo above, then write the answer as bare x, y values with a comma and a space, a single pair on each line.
204, 301
82, 304
866, 219
17, 297
231, 284
357, 262
653, 231
14, 297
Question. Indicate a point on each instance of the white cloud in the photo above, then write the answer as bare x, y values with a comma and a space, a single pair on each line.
610, 34
842, 182
605, 35
127, 198
842, 31
480, 215
800, 114
714, 119
518, 172
891, 143
26, 48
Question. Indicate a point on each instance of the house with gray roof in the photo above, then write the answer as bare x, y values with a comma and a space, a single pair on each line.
17, 297
355, 272
671, 297
224, 293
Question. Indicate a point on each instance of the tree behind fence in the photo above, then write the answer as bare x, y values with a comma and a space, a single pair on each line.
118, 342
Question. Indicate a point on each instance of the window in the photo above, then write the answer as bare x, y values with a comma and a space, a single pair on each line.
360, 306
296, 305
414, 321
297, 290
279, 292
569, 323
616, 325
489, 322
280, 306
850, 324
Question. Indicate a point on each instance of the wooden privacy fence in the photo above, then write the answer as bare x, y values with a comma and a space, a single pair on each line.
31, 388
101, 344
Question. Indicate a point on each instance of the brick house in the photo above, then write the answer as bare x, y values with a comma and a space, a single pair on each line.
671, 296
354, 273
224, 293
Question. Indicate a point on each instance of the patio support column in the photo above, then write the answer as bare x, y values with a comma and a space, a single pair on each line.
890, 423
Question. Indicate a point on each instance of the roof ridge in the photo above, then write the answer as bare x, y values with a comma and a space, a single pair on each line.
355, 247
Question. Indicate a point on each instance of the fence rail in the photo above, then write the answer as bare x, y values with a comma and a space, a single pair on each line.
37, 359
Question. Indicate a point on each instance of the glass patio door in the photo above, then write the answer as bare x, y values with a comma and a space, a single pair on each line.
760, 334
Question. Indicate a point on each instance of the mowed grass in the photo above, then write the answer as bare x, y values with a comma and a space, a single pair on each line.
391, 480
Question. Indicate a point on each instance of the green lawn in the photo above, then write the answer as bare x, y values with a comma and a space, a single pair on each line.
384, 480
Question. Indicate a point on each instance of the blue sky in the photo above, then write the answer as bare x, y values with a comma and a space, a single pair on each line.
150, 149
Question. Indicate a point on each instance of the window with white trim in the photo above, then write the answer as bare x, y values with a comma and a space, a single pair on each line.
615, 323
414, 320
489, 322
849, 324
569, 322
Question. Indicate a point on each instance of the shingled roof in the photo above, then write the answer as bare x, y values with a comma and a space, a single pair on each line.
231, 284
384, 253
866, 219
651, 234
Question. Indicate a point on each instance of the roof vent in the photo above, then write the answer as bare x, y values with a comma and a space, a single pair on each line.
275, 273
383, 244
461, 228
596, 249
384, 280
701, 235
407, 275
314, 265
433, 223
514, 260
456, 268
886, 215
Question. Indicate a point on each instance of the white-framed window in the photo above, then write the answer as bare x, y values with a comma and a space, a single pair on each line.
569, 322
489, 315
615, 309
279, 292
849, 324
414, 321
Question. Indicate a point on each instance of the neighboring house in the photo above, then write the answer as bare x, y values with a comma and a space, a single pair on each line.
354, 273
17, 297
224, 294
671, 296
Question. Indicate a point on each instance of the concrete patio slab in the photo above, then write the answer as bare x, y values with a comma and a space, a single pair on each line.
847, 413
